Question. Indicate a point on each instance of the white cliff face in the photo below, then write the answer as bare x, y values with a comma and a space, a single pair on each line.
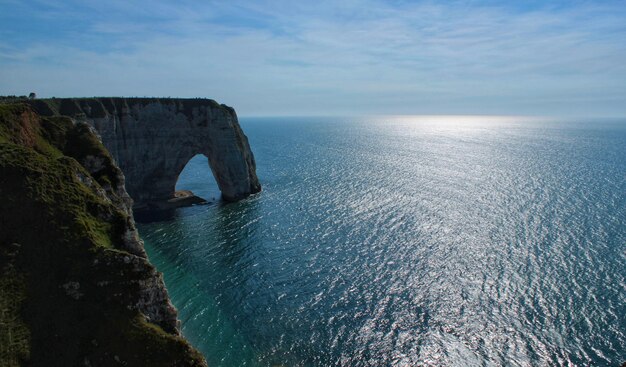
153, 139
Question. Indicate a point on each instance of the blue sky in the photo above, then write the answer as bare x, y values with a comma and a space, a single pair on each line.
564, 58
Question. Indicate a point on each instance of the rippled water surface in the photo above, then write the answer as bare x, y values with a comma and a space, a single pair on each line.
406, 241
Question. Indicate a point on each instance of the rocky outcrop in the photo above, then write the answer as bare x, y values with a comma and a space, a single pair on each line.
76, 288
153, 139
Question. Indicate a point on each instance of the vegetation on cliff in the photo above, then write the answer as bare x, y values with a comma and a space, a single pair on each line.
73, 289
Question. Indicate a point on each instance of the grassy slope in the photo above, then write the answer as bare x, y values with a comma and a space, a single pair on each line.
64, 284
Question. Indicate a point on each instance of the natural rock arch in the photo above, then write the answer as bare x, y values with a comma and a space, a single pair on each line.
153, 139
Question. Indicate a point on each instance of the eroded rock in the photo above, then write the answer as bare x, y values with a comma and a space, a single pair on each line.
153, 139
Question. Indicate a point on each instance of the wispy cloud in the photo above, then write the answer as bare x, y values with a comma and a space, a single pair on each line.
274, 57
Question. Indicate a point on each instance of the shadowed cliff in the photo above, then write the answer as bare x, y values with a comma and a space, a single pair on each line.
152, 139
75, 285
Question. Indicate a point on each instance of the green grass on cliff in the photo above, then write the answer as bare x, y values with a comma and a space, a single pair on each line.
64, 281
14, 333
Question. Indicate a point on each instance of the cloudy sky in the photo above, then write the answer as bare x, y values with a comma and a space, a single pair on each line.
565, 58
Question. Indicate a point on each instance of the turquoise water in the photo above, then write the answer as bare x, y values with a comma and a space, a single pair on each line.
400, 241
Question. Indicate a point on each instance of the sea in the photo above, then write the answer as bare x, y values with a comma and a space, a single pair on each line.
407, 241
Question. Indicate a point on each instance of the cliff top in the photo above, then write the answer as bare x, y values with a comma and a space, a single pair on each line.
99, 107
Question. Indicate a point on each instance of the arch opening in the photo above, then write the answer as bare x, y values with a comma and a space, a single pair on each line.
197, 178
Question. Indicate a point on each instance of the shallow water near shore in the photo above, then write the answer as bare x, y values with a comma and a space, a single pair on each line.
439, 241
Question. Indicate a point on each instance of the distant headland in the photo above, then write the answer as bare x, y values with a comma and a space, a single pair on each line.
152, 139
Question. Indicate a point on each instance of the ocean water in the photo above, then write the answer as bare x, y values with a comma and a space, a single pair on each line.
408, 241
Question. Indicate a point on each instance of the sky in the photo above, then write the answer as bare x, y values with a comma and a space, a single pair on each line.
264, 58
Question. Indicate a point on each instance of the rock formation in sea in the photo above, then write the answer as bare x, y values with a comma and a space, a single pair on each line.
76, 288
152, 139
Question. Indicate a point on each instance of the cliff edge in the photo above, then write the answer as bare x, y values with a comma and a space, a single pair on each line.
76, 288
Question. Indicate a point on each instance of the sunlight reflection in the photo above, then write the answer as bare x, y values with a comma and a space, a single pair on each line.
456, 125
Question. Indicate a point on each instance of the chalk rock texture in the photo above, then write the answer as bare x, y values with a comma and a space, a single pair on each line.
76, 286
153, 139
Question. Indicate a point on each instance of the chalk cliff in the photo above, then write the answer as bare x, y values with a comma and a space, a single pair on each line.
76, 288
152, 139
